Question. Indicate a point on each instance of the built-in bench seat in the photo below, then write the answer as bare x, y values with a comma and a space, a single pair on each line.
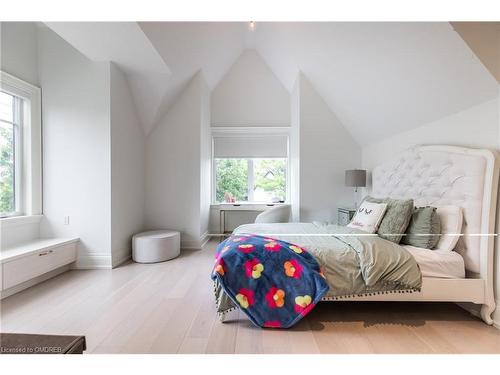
28, 263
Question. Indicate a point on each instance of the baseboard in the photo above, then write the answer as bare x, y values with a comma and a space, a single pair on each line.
37, 280
94, 261
196, 244
190, 245
105, 261
204, 239
121, 257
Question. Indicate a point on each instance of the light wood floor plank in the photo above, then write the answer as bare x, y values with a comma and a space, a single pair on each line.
144, 336
248, 337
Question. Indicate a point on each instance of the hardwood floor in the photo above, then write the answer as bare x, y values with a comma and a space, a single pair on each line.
168, 308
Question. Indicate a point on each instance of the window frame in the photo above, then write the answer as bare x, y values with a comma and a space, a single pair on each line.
28, 173
249, 131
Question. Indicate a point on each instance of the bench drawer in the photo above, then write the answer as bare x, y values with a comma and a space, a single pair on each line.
27, 267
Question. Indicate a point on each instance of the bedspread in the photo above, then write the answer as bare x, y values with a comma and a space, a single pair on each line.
354, 263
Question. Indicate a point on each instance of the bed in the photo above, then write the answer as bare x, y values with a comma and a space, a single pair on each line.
437, 176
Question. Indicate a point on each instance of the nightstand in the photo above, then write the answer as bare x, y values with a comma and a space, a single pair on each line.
345, 215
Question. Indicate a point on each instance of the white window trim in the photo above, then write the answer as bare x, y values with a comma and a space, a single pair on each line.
231, 131
250, 181
19, 156
31, 168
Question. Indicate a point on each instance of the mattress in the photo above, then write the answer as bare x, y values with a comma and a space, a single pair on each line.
438, 263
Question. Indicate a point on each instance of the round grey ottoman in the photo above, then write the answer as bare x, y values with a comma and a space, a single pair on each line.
156, 246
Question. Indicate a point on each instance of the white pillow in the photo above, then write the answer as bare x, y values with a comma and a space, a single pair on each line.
368, 216
451, 218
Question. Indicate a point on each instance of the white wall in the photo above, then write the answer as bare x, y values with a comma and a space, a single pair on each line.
93, 147
321, 149
15, 232
128, 166
205, 159
76, 148
326, 151
295, 150
173, 182
19, 51
475, 127
478, 126
250, 95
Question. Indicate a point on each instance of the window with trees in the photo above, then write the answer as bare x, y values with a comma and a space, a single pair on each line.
250, 164
20, 148
10, 154
250, 179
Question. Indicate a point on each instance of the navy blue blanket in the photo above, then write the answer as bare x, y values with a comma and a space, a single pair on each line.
275, 283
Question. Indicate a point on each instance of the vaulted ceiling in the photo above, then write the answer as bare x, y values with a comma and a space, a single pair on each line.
189, 47
378, 78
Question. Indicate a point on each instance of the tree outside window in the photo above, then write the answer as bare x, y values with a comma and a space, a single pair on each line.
234, 176
7, 167
231, 177
269, 179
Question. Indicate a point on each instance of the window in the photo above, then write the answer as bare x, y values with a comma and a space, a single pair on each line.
250, 164
253, 180
231, 179
10, 154
20, 148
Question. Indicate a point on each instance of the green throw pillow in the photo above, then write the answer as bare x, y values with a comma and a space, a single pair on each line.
424, 229
396, 218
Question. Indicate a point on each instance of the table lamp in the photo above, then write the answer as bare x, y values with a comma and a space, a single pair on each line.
355, 178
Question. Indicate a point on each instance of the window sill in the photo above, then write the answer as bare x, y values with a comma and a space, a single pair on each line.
248, 203
246, 206
20, 220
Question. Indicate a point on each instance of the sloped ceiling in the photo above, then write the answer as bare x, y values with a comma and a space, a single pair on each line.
187, 47
378, 78
125, 44
158, 58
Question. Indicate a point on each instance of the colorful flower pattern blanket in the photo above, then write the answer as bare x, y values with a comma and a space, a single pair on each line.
275, 283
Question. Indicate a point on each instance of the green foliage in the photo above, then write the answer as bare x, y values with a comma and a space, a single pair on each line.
270, 176
6, 170
232, 177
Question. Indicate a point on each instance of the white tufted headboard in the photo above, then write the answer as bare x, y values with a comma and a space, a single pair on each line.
448, 175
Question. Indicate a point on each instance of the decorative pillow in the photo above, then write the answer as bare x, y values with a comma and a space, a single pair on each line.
424, 229
451, 218
368, 216
396, 218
